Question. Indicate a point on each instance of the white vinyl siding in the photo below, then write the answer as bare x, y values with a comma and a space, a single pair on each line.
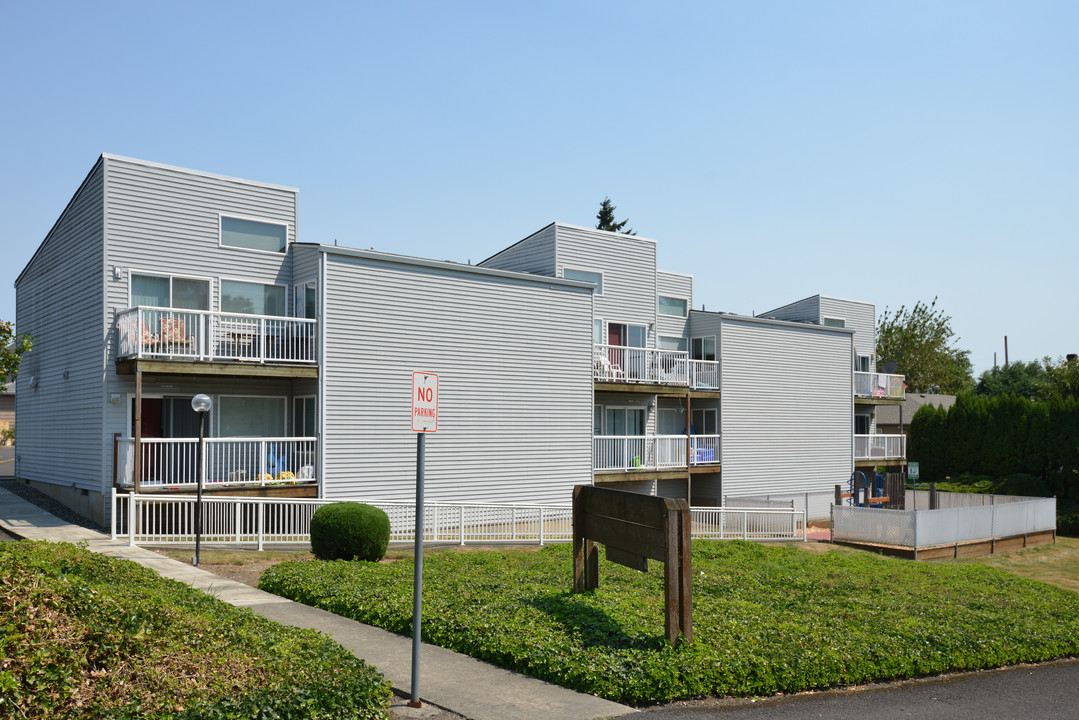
786, 409
535, 254
515, 398
60, 303
679, 286
857, 316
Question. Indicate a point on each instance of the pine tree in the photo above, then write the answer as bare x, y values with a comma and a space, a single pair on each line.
605, 218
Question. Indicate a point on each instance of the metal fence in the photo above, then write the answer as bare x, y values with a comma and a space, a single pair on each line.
816, 506
919, 529
246, 520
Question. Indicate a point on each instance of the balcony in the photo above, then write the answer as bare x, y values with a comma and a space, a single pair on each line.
172, 463
170, 334
618, 453
648, 366
880, 447
879, 386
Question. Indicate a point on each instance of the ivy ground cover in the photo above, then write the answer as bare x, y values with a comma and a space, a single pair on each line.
766, 619
83, 635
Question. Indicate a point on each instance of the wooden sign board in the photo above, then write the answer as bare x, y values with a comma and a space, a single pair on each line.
634, 529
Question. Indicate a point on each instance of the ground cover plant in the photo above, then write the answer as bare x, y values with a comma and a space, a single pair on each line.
767, 619
88, 636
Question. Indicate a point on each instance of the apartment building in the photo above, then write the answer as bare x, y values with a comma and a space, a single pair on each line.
566, 358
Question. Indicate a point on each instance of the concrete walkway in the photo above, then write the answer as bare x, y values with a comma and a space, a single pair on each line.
458, 683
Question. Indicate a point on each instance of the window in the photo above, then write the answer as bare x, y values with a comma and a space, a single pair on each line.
673, 306
703, 348
672, 343
253, 234
306, 301
303, 417
862, 424
704, 422
170, 292
834, 322
252, 298
597, 332
250, 416
585, 276
862, 363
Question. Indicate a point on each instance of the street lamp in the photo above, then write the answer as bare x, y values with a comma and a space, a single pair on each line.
200, 404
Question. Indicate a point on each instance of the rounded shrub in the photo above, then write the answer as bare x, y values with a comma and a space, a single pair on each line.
350, 530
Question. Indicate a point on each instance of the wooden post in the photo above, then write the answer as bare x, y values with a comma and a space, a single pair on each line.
934, 501
838, 495
585, 555
137, 474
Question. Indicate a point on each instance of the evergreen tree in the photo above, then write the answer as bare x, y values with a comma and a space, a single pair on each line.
605, 219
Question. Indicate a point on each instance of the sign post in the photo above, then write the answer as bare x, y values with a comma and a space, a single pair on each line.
424, 420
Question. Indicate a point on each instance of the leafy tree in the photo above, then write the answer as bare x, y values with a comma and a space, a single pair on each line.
605, 218
920, 341
11, 351
1023, 379
1062, 377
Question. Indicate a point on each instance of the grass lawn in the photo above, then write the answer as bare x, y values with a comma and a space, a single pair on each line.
83, 635
767, 619
1057, 564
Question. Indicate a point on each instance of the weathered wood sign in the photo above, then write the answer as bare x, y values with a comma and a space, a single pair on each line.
634, 529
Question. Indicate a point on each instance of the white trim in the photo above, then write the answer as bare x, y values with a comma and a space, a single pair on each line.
248, 218
220, 291
627, 325
602, 278
680, 338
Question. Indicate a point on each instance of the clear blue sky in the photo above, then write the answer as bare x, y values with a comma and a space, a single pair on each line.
889, 152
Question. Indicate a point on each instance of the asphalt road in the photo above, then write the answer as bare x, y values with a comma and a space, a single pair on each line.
1043, 692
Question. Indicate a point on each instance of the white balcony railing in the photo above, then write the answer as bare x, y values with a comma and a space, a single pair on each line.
172, 462
617, 363
152, 332
653, 452
880, 447
879, 385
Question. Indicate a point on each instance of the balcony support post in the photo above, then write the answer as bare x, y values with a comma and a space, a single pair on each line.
137, 474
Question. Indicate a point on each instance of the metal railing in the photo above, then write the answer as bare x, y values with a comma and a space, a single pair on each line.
171, 462
163, 519
880, 447
653, 452
618, 363
879, 385
154, 332
920, 529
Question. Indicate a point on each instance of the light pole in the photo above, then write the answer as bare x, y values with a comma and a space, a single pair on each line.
200, 404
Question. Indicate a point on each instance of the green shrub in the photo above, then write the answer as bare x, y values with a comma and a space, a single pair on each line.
349, 530
87, 636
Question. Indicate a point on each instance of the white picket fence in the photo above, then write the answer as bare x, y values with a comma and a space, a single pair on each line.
166, 519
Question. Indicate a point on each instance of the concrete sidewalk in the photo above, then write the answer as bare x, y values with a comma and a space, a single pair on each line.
449, 680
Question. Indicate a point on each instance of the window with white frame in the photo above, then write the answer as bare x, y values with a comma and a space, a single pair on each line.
170, 292
672, 343
246, 416
834, 322
252, 298
597, 332
253, 234
677, 307
861, 363
586, 276
303, 417
306, 301
703, 348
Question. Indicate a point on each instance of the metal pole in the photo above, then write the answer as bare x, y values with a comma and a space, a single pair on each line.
198, 491
417, 579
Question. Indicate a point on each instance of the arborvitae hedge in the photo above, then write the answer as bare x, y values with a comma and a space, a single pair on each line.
1000, 436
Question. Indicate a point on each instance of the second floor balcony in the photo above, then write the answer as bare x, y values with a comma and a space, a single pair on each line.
879, 386
880, 447
623, 453
649, 366
173, 334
